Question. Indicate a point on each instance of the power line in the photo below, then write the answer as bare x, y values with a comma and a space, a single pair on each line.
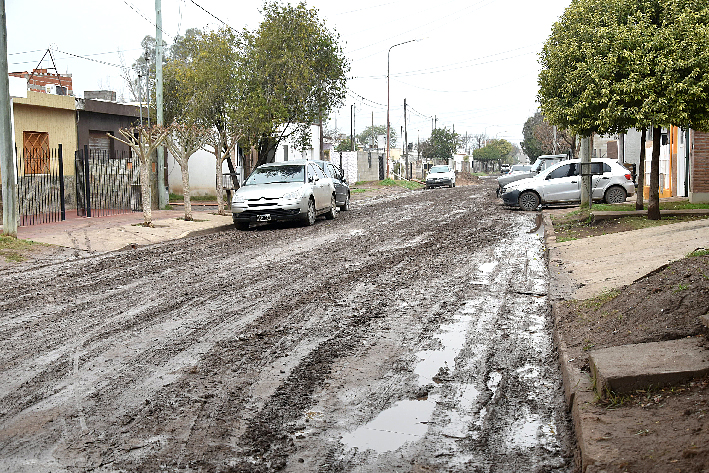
147, 19
88, 58
211, 14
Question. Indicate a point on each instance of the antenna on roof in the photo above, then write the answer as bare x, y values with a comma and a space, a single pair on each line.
54, 66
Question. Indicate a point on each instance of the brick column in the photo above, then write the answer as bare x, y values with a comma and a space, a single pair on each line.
699, 168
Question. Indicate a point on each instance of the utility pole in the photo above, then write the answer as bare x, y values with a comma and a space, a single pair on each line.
7, 164
406, 145
163, 199
555, 145
436, 122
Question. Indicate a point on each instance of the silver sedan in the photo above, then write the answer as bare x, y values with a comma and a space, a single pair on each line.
287, 191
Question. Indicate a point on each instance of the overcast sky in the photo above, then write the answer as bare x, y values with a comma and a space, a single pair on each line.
474, 63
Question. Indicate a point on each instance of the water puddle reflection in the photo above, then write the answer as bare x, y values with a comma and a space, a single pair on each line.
405, 421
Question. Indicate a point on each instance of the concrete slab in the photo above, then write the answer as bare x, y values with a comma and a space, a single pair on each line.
627, 368
611, 261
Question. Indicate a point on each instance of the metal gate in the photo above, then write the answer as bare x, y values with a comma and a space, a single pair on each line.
106, 183
40, 185
381, 168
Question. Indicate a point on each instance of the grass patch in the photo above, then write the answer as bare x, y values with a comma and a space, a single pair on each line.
411, 185
599, 300
678, 205
698, 252
574, 225
358, 191
196, 198
14, 250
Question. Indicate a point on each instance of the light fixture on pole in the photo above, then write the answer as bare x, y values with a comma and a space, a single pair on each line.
388, 132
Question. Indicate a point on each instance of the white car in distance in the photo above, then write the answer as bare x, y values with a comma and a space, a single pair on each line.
440, 176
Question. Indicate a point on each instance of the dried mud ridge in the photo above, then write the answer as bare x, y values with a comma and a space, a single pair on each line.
278, 348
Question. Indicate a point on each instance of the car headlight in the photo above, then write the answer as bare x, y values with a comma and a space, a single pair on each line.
238, 199
293, 195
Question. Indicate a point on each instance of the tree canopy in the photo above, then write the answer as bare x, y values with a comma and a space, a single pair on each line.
293, 73
440, 145
371, 133
610, 66
495, 151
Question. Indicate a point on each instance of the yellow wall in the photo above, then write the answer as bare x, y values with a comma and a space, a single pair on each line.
54, 114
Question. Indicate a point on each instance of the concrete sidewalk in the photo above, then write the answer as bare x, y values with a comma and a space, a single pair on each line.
114, 232
582, 269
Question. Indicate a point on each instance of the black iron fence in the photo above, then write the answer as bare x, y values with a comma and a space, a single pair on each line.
106, 183
40, 186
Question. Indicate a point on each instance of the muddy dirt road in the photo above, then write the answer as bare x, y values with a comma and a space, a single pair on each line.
410, 334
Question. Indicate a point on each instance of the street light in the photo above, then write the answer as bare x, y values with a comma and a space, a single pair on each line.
388, 133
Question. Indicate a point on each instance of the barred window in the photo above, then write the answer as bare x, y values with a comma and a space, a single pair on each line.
36, 152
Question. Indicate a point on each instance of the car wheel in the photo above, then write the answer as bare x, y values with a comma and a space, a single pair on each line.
310, 215
346, 205
332, 213
528, 201
453, 185
615, 195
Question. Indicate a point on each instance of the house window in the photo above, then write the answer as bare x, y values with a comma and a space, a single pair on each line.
100, 144
285, 152
36, 152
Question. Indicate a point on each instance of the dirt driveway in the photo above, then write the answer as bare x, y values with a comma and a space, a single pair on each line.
410, 334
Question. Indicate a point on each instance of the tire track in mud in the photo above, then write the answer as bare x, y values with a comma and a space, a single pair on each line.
236, 339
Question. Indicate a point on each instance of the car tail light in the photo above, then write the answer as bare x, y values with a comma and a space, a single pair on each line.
628, 177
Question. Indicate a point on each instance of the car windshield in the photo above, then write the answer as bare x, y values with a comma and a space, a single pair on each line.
439, 169
519, 167
276, 174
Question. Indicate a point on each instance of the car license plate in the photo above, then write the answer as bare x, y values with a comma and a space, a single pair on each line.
263, 218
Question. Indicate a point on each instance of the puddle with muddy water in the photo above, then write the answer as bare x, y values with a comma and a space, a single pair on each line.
407, 421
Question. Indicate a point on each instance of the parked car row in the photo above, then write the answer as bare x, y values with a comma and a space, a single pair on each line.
290, 191
561, 183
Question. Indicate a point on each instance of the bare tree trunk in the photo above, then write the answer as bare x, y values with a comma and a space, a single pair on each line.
640, 176
220, 191
653, 206
145, 191
186, 190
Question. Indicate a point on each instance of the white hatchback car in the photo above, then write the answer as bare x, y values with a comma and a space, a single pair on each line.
561, 183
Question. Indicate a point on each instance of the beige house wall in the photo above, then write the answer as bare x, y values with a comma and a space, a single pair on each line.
53, 114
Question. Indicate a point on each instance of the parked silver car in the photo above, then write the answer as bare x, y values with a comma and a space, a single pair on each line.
561, 183
543, 162
292, 190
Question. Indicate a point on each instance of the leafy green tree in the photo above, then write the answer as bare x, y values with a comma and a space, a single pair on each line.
344, 145
440, 145
370, 134
610, 66
496, 151
293, 73
201, 84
